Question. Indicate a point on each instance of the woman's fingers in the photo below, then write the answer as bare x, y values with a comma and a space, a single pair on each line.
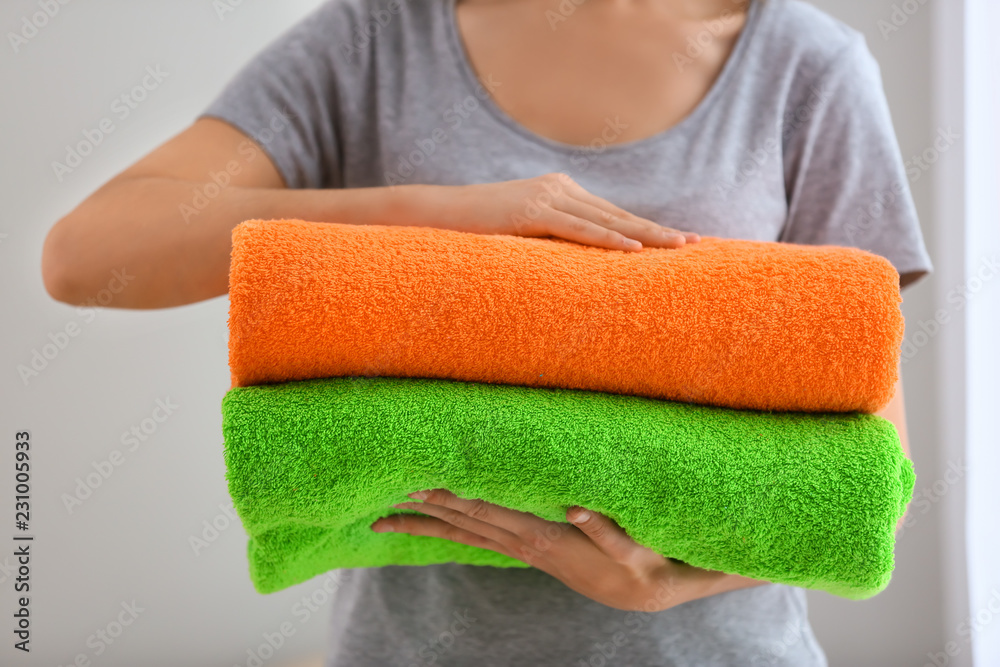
647, 233
414, 524
551, 546
643, 230
548, 205
559, 192
585, 195
503, 525
605, 533
464, 521
573, 228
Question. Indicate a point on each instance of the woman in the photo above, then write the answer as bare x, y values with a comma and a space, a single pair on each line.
615, 123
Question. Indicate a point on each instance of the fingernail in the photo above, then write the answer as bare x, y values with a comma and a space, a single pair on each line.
632, 244
381, 527
580, 516
418, 495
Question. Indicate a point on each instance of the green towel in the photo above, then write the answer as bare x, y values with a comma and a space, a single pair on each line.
809, 500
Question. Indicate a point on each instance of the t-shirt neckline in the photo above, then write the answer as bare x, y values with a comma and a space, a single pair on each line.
467, 73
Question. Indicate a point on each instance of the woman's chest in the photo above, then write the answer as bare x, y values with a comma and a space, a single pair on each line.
714, 180
719, 172
561, 76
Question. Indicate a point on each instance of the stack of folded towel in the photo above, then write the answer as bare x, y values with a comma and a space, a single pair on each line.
714, 400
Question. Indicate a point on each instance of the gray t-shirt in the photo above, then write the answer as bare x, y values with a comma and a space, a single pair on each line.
793, 143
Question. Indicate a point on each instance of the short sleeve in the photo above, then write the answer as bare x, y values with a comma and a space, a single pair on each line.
845, 178
286, 99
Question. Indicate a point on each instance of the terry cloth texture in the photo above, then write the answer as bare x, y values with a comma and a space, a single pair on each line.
809, 500
795, 143
734, 323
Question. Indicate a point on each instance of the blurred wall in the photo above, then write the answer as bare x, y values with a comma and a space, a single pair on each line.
129, 542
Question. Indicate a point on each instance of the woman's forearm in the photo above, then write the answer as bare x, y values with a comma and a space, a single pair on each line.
164, 225
173, 252
147, 227
895, 412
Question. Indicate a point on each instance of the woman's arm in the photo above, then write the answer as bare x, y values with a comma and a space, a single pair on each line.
895, 412
168, 219
138, 221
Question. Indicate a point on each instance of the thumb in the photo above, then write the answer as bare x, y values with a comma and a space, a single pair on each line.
605, 533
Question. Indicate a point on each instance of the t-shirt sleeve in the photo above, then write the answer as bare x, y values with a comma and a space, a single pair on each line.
286, 99
844, 175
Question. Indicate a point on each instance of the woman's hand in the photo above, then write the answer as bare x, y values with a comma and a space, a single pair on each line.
548, 205
594, 556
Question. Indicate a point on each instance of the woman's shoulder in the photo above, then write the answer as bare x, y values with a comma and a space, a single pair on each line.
370, 17
355, 29
807, 38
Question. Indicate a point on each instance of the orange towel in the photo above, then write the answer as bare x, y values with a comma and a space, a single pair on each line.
742, 324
